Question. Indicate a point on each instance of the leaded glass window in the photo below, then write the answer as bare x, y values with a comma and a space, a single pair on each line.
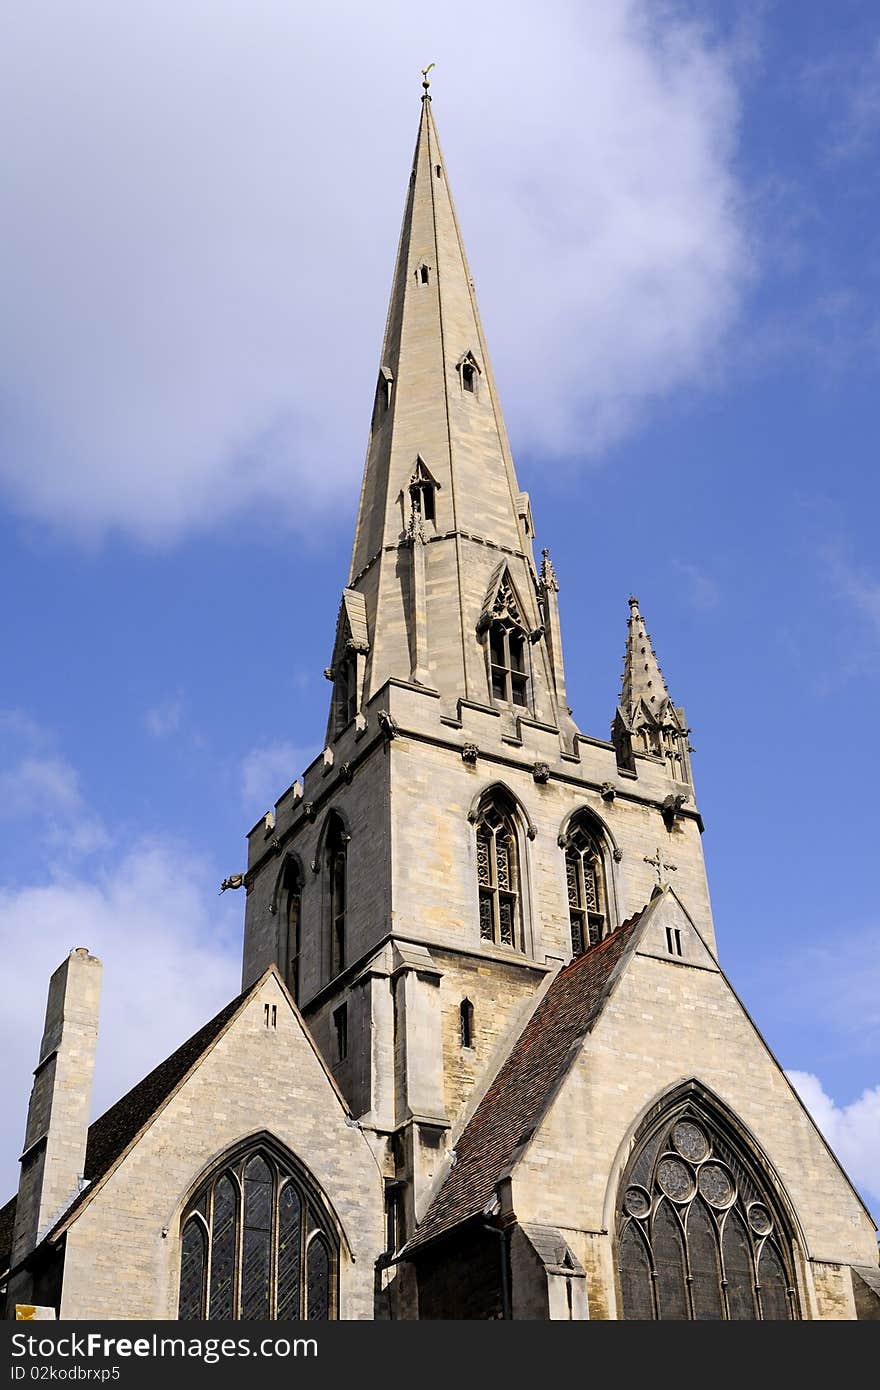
699, 1236
498, 877
255, 1244
586, 890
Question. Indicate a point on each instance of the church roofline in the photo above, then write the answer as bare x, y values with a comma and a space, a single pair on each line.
113, 1135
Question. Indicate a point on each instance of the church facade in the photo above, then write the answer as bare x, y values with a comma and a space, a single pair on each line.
485, 1062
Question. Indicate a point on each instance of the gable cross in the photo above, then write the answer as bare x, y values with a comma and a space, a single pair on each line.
658, 863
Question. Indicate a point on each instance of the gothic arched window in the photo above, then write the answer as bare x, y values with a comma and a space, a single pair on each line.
585, 882
335, 862
699, 1235
498, 876
290, 925
256, 1244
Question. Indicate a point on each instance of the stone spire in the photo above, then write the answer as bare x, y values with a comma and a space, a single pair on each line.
646, 720
441, 518
642, 677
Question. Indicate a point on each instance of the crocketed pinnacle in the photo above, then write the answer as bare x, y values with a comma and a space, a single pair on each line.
642, 677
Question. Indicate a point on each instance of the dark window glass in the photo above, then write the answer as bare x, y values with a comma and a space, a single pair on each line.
261, 1229
772, 1286
467, 1023
586, 890
686, 1183
498, 878
290, 1235
318, 1281
669, 1263
193, 1258
336, 856
736, 1252
257, 1246
223, 1253
340, 1024
705, 1271
507, 662
635, 1276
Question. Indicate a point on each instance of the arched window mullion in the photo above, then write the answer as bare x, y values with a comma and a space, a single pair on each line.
717, 1242
238, 1215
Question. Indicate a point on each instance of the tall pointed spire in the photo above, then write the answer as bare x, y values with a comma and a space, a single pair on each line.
646, 719
440, 508
642, 677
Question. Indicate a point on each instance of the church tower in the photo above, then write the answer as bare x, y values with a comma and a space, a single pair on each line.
459, 838
485, 1062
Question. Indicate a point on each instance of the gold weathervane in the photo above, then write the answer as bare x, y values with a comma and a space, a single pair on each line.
425, 83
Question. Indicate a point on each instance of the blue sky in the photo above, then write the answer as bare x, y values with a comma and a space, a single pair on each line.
674, 225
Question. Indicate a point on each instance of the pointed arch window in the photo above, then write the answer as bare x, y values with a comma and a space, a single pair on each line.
699, 1235
249, 1242
290, 928
585, 883
498, 876
336, 874
469, 373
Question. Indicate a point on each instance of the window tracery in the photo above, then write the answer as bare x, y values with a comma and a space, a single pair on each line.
256, 1245
585, 883
698, 1236
498, 876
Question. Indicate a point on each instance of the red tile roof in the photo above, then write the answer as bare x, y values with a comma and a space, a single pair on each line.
517, 1099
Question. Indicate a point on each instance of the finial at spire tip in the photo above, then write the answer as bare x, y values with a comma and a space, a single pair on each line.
424, 71
634, 605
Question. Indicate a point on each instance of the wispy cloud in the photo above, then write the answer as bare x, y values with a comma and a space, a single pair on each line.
267, 771
182, 273
164, 719
853, 1131
854, 583
169, 946
846, 85
41, 787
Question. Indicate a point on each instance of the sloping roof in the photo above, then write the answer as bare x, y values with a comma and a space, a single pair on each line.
112, 1132
515, 1103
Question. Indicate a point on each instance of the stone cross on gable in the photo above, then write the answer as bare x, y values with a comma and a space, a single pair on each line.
658, 864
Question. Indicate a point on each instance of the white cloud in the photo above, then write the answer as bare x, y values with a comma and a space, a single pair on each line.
46, 790
267, 771
201, 214
170, 948
164, 719
853, 583
853, 1131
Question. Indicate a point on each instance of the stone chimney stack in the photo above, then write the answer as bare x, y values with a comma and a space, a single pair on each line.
53, 1160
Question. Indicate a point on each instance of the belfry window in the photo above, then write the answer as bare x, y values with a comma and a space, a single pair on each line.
255, 1244
586, 890
345, 691
336, 856
421, 496
699, 1236
507, 660
289, 932
498, 877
